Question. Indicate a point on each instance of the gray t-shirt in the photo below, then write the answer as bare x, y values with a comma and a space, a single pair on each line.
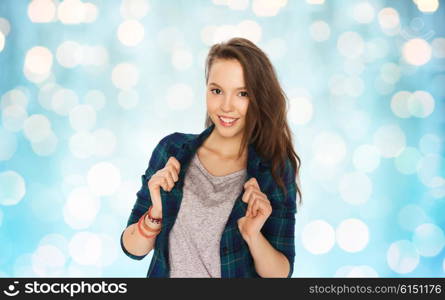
207, 201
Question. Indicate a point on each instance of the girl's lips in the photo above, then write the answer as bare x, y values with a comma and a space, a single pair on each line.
227, 124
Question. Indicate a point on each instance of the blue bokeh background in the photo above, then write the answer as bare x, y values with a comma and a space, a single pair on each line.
87, 89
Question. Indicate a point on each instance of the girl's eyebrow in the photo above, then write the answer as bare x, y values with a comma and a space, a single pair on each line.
214, 83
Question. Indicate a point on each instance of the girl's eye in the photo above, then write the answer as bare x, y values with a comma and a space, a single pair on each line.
245, 93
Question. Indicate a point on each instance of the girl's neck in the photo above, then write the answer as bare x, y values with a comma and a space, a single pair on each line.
225, 148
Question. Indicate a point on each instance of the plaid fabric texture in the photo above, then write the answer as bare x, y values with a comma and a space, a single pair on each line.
236, 260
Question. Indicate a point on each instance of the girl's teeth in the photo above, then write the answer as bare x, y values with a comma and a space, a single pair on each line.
228, 120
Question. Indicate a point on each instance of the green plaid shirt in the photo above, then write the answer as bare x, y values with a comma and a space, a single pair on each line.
236, 260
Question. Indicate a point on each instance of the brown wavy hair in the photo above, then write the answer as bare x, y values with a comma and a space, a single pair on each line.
266, 122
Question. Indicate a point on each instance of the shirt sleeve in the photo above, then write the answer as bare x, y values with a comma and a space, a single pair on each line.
279, 228
143, 200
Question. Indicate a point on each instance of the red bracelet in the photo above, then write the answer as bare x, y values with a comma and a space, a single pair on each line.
142, 232
146, 227
153, 220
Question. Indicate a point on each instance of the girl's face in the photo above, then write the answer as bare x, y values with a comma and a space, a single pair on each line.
227, 98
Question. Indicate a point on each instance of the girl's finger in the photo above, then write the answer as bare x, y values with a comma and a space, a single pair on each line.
173, 173
249, 202
246, 195
253, 201
168, 177
256, 207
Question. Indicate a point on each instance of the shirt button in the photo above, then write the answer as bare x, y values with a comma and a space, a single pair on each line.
224, 250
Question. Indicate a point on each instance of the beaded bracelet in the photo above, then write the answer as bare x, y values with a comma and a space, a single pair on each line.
141, 223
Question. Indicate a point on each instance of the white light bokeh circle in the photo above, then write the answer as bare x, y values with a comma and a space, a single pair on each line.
438, 45
2, 41
354, 66
275, 48
104, 178
352, 235
411, 216
46, 204
366, 158
47, 146
427, 6
421, 104
105, 142
182, 59
134, 9
318, 237
69, 54
96, 98
417, 51
320, 31
16, 96
355, 188
388, 18
12, 188
38, 60
82, 117
37, 127
248, 29
128, 99
225, 32
375, 49
430, 143
363, 12
350, 44
402, 257
110, 250
265, 8
57, 240
86, 248
82, 144
63, 100
406, 162
430, 169
130, 33
14, 117
354, 86
179, 96
48, 261
23, 266
41, 11
81, 208
5, 27
8, 144
90, 12
390, 73
329, 148
71, 12
76, 270
46, 93
357, 124
301, 110
360, 271
399, 104
428, 239
125, 76
390, 140
124, 198
238, 4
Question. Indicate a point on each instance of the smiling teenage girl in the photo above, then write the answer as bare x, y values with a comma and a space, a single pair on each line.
222, 203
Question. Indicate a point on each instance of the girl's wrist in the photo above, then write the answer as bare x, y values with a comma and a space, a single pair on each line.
156, 212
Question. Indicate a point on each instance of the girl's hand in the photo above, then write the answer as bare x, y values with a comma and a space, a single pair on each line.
164, 178
258, 210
